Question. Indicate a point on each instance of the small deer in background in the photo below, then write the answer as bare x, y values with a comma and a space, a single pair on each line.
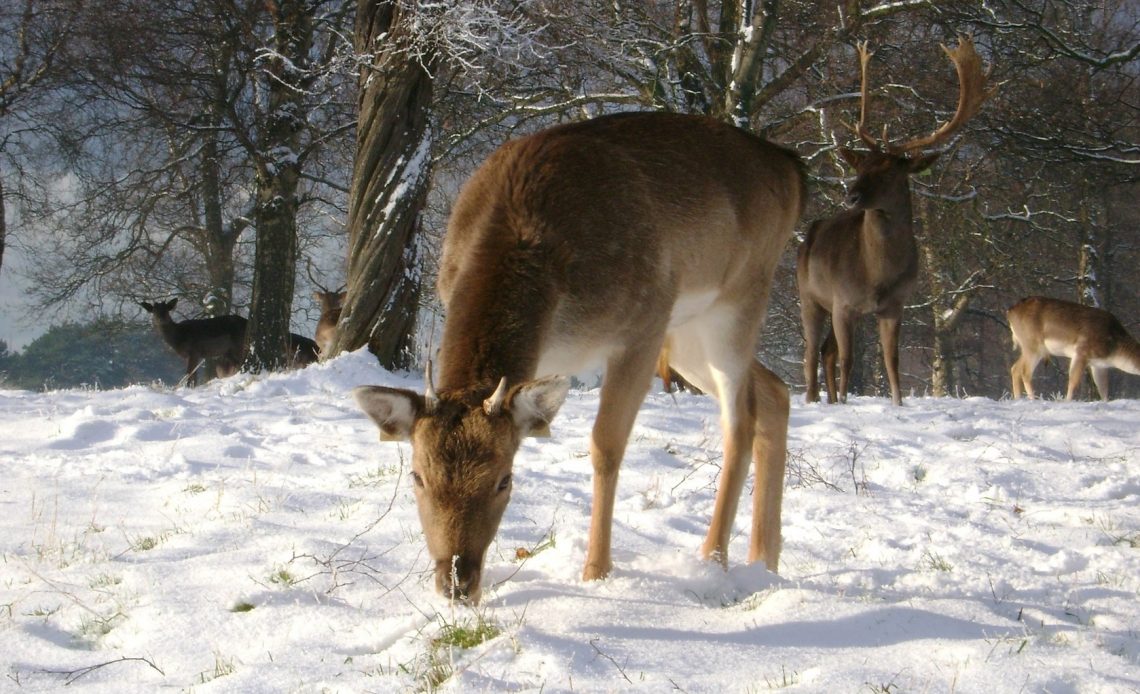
1089, 337
865, 260
195, 340
332, 303
221, 338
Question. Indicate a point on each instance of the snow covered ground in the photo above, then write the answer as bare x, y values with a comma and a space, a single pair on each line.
253, 535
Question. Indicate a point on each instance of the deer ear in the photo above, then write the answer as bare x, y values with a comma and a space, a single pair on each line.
393, 409
171, 304
534, 404
920, 164
146, 307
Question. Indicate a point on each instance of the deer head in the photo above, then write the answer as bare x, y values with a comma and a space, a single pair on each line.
882, 172
463, 455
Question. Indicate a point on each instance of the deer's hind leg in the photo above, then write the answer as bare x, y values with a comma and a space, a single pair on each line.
714, 353
771, 408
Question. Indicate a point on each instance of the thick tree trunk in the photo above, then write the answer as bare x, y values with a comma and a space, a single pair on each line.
278, 171
390, 178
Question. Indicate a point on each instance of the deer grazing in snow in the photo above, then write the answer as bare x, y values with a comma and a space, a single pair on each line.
221, 338
585, 245
1089, 337
865, 259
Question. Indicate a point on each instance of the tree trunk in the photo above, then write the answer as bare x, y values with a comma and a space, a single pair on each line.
278, 170
390, 179
3, 224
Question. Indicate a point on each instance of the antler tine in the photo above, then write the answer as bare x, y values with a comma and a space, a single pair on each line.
972, 93
861, 128
430, 398
309, 272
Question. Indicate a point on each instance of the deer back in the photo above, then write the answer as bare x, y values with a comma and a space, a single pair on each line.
586, 235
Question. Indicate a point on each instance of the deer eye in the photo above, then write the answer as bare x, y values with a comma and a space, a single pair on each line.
504, 483
417, 479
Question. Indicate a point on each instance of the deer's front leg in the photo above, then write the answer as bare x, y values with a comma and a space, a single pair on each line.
889, 340
624, 387
842, 326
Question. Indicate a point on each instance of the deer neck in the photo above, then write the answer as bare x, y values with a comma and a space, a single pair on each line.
169, 331
887, 239
494, 329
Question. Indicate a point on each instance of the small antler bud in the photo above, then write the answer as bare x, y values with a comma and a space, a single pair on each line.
430, 398
494, 404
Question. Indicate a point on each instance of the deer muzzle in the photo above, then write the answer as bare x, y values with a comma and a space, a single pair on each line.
458, 578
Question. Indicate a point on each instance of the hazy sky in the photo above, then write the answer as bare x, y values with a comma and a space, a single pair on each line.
14, 321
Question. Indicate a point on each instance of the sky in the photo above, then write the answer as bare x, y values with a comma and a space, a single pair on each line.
14, 324
254, 535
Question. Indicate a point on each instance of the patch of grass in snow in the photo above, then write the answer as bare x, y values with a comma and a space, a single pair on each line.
93, 626
786, 679
144, 543
242, 606
105, 581
1115, 535
195, 488
936, 562
283, 578
373, 477
436, 665
222, 666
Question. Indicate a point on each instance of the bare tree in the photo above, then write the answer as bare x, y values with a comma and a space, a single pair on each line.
34, 37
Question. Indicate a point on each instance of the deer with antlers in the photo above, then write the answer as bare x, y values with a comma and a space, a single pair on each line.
592, 244
1090, 337
865, 259
332, 304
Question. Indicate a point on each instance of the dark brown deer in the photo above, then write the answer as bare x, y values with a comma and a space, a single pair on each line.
195, 340
1087, 336
221, 338
588, 245
332, 303
865, 259
302, 351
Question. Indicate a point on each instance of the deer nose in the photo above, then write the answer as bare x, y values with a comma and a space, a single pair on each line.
854, 198
458, 579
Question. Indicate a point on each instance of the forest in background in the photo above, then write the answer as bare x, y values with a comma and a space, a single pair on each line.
155, 149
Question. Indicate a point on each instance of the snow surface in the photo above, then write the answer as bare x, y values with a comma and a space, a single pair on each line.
253, 535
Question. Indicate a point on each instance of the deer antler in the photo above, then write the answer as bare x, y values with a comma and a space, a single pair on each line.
861, 129
972, 93
309, 272
431, 400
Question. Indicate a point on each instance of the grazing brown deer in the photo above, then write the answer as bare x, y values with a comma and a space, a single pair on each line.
586, 245
865, 260
332, 303
221, 338
1088, 336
